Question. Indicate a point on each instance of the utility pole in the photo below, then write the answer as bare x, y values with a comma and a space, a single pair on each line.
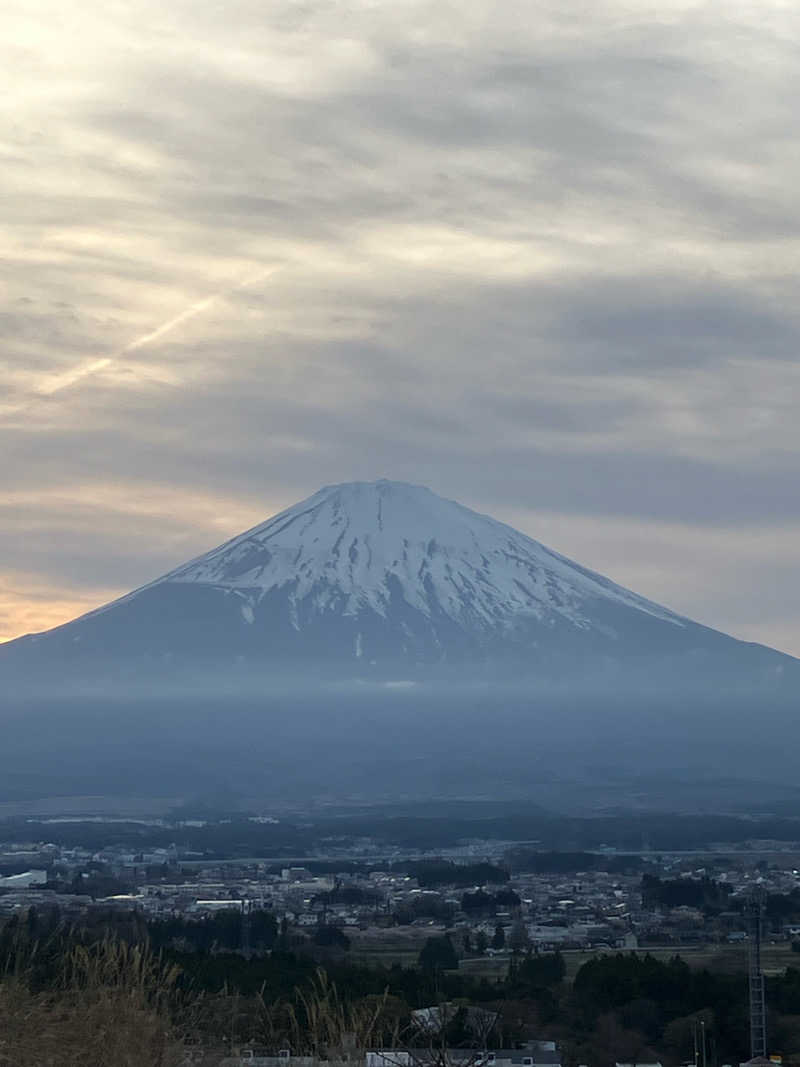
246, 948
703, 1040
694, 1042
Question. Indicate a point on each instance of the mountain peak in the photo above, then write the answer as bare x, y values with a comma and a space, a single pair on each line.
392, 549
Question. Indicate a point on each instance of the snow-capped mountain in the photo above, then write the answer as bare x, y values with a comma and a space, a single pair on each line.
365, 576
364, 549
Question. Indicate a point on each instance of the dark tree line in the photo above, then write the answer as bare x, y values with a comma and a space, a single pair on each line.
482, 902
432, 873
627, 1006
702, 893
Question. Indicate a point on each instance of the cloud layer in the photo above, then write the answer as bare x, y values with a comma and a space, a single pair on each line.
540, 257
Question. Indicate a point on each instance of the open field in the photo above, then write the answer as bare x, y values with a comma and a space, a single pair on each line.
402, 945
725, 958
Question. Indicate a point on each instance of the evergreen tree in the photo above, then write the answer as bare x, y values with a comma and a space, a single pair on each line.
438, 954
518, 939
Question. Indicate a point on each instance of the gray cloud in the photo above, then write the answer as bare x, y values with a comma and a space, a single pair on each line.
543, 260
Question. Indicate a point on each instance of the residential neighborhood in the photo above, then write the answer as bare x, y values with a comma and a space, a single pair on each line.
386, 911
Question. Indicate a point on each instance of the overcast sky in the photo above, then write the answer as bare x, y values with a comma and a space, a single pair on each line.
539, 256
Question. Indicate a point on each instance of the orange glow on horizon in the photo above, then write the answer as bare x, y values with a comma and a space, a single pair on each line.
25, 608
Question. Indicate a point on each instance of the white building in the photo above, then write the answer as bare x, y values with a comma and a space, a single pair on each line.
23, 881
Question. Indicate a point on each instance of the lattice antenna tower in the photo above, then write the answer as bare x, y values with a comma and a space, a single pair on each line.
758, 1008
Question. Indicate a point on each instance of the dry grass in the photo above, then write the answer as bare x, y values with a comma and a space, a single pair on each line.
326, 1026
109, 1005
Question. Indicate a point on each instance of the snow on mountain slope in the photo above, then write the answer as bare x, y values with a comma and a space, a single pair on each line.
350, 547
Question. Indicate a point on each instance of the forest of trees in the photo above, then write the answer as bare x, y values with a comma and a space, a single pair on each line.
703, 893
432, 873
563, 842
623, 1007
480, 901
712, 897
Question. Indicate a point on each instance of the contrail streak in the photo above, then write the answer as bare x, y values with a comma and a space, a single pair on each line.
57, 383
166, 327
